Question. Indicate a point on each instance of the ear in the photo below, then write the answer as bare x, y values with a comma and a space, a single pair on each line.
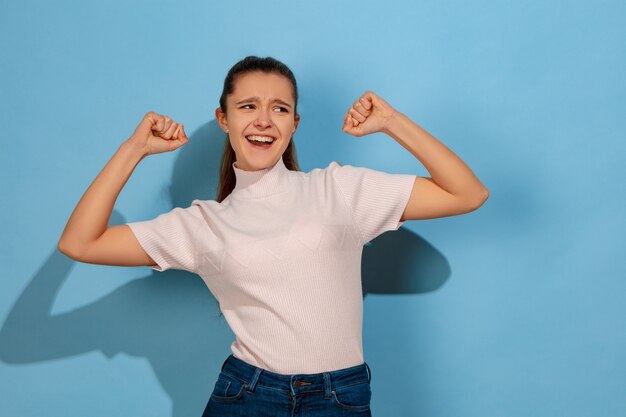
295, 122
220, 116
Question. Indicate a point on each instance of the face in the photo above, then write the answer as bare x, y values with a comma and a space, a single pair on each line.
261, 107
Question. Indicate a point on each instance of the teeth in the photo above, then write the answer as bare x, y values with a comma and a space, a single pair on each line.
260, 138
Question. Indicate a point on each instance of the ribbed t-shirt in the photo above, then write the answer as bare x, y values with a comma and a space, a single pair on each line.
282, 256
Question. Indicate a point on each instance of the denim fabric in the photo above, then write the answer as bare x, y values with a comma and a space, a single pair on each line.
243, 389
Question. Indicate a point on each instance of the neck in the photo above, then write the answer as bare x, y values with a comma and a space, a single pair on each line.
263, 178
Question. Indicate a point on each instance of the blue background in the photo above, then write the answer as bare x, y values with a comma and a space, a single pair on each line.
516, 309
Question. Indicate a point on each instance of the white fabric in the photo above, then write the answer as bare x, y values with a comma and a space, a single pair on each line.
282, 255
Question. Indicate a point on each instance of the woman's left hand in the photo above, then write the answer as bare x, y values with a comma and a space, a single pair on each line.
369, 114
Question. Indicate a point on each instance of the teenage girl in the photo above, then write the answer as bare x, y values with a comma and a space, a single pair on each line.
279, 249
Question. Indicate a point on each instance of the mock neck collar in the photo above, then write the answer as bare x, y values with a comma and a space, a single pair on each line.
265, 179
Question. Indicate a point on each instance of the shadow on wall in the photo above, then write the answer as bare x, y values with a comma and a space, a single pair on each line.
143, 318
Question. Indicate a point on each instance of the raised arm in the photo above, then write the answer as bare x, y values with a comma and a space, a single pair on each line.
453, 188
87, 236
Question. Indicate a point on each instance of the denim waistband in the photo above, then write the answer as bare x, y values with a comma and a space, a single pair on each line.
297, 383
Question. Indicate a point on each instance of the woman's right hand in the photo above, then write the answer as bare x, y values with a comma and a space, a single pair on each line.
158, 133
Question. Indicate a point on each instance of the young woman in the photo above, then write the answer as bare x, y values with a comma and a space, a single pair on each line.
280, 249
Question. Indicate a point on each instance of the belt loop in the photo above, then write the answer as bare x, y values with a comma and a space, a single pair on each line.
327, 386
369, 372
224, 364
255, 378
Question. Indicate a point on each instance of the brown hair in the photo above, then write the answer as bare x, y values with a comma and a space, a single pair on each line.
250, 64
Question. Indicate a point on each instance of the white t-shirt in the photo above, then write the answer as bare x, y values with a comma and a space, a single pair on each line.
282, 256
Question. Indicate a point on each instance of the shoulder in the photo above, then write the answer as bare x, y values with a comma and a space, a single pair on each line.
332, 167
337, 172
181, 214
317, 175
199, 206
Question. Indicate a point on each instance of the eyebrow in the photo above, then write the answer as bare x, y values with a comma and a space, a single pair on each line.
256, 99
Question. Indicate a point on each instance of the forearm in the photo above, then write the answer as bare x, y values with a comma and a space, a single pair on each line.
91, 215
444, 166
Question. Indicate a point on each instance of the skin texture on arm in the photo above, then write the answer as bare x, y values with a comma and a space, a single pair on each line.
89, 219
453, 188
87, 237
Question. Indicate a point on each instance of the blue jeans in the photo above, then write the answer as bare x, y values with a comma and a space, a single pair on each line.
243, 389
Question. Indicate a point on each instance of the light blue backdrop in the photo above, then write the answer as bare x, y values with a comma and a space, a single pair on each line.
516, 309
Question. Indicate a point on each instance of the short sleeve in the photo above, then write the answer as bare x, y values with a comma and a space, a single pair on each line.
376, 199
169, 239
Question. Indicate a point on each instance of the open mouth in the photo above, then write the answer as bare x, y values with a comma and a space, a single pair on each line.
260, 142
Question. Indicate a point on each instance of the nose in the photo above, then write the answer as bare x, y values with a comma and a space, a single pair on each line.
263, 117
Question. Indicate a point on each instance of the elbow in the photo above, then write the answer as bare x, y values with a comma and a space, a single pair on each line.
484, 196
63, 248
478, 200
68, 250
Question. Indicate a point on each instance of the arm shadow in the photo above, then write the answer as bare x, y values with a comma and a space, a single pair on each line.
401, 262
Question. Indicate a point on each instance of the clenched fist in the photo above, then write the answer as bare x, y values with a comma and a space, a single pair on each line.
158, 133
369, 114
